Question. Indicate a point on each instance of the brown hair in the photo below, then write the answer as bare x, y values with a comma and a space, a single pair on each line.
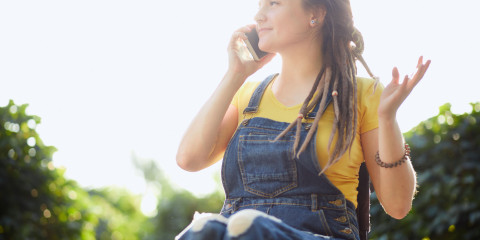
342, 44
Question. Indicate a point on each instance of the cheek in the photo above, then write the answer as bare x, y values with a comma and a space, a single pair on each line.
264, 44
277, 39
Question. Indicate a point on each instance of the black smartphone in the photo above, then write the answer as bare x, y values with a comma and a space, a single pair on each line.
252, 45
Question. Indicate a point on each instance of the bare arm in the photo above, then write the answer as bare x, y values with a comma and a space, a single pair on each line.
210, 131
395, 187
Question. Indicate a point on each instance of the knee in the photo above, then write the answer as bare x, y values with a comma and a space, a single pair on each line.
204, 227
206, 222
241, 222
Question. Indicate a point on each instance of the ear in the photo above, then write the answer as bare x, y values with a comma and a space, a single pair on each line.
318, 14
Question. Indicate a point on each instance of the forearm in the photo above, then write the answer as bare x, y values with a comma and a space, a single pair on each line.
397, 185
199, 141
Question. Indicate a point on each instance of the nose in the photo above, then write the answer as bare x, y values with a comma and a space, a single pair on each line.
260, 16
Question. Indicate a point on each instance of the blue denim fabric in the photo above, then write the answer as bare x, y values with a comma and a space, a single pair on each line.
290, 199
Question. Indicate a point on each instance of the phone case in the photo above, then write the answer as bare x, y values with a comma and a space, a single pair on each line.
252, 45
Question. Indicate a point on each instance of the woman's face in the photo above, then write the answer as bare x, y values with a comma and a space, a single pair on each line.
282, 24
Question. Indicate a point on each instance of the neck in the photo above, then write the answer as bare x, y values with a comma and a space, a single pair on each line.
301, 64
300, 68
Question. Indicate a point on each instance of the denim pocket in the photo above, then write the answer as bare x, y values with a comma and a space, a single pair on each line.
268, 168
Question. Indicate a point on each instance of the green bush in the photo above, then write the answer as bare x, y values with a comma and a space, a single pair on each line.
446, 156
176, 207
34, 202
38, 202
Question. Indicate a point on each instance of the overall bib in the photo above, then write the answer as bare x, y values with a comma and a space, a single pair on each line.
290, 199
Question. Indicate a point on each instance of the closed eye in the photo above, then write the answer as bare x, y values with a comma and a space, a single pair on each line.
273, 3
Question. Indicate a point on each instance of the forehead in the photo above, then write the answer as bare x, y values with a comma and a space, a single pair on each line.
282, 1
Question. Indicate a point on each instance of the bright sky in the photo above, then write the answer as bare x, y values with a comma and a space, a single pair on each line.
111, 79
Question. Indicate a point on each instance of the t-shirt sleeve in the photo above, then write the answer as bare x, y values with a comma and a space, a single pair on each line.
242, 97
235, 98
369, 101
237, 101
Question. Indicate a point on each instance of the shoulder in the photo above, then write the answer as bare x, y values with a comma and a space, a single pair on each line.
247, 89
368, 89
242, 97
369, 92
365, 85
250, 86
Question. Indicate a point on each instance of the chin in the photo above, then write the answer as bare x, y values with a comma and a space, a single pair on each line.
265, 47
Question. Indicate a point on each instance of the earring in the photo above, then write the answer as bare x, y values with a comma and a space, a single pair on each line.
313, 22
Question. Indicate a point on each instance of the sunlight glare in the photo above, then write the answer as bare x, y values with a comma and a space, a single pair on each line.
31, 141
72, 194
13, 109
459, 109
32, 124
149, 204
32, 152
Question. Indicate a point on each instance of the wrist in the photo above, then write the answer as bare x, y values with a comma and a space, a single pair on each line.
387, 117
234, 78
232, 73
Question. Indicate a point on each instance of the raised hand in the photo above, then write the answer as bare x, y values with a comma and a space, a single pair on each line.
395, 92
240, 60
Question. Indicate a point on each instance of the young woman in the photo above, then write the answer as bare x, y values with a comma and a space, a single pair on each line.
292, 144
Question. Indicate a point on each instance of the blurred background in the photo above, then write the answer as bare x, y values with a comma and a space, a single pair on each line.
109, 87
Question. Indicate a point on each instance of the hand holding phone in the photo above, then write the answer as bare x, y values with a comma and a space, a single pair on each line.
252, 45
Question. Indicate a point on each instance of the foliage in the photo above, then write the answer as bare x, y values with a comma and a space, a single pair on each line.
176, 207
38, 202
445, 154
116, 214
32, 192
175, 213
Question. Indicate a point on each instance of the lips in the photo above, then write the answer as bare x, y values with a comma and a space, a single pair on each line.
263, 30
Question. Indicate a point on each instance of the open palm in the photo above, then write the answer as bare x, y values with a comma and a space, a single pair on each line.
395, 92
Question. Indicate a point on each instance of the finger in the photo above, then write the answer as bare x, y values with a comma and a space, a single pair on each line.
246, 28
395, 75
235, 37
420, 62
421, 71
427, 64
425, 67
251, 26
412, 82
406, 79
418, 69
241, 33
419, 74
421, 68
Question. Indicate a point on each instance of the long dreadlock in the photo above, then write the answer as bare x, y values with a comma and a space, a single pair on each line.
342, 44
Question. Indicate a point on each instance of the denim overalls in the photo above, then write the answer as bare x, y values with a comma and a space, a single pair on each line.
260, 174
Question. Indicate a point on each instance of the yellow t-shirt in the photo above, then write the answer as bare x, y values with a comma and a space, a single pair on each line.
343, 174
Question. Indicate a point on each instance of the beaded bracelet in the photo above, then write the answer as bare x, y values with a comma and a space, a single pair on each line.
405, 157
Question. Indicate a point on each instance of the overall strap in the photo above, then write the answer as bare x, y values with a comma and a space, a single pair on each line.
258, 94
313, 113
260, 90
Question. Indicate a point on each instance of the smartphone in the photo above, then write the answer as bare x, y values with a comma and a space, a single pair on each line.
252, 45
